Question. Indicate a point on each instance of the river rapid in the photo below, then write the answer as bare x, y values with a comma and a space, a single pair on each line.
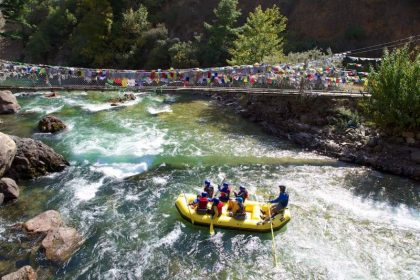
129, 163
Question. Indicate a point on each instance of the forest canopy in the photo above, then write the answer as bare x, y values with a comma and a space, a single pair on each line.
129, 34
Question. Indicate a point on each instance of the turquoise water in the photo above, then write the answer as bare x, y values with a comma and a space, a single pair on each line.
128, 165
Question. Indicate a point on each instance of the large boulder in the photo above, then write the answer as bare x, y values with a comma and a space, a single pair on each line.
51, 124
7, 152
8, 102
44, 222
33, 159
9, 189
61, 243
24, 273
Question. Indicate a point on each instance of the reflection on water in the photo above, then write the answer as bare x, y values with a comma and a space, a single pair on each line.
348, 222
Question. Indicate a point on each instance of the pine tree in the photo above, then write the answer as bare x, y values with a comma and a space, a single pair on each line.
220, 35
260, 37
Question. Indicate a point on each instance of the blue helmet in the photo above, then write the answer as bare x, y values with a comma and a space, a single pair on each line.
216, 200
207, 182
204, 194
239, 199
225, 184
241, 187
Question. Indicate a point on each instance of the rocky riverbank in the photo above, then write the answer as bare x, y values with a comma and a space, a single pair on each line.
22, 159
331, 126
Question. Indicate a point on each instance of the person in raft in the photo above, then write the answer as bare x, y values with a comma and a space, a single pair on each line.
200, 204
279, 204
216, 208
208, 188
242, 193
224, 192
238, 209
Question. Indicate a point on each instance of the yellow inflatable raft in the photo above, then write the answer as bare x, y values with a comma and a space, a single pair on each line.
252, 222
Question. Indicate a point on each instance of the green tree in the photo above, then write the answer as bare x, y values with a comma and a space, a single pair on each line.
395, 91
152, 49
51, 35
89, 41
183, 55
260, 37
135, 22
220, 35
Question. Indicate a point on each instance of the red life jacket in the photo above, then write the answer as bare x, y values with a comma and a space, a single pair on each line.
219, 207
202, 202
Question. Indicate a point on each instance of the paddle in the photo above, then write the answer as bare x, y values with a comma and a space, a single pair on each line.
272, 232
189, 210
272, 235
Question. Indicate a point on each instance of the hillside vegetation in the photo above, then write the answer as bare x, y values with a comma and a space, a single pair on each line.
188, 33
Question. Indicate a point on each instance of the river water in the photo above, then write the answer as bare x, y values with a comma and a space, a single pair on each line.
129, 163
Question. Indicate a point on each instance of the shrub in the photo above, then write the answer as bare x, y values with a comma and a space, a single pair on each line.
346, 118
395, 91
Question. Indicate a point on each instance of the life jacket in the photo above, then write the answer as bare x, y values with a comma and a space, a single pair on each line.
202, 202
225, 192
219, 208
243, 194
209, 190
238, 208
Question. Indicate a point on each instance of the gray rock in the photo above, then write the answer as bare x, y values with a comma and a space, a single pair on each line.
8, 102
408, 134
332, 146
1, 198
44, 222
61, 243
303, 138
9, 189
51, 124
410, 140
24, 273
415, 156
7, 152
33, 159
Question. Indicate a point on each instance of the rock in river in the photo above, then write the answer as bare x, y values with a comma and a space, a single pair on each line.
7, 152
51, 124
60, 243
44, 222
9, 189
33, 159
8, 102
24, 273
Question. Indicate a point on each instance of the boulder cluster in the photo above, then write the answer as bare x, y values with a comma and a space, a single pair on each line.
23, 159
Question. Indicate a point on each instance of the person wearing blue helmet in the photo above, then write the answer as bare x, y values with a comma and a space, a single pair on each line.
224, 192
208, 188
201, 203
242, 193
216, 208
279, 204
238, 209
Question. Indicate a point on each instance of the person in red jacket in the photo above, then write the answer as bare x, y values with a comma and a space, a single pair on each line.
224, 192
242, 193
216, 208
201, 203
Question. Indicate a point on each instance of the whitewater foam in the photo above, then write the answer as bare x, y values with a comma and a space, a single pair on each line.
83, 189
120, 170
159, 110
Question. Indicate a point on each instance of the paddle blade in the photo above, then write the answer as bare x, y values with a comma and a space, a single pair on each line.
211, 228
